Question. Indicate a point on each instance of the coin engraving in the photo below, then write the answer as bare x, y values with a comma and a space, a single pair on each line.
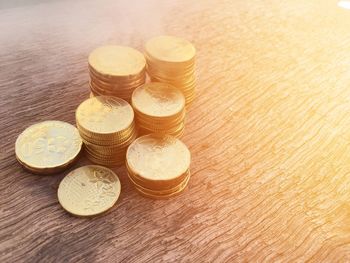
113, 60
104, 114
89, 190
158, 157
158, 100
48, 144
170, 49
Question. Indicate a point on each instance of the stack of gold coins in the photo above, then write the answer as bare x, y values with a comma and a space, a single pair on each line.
159, 108
106, 125
116, 71
158, 165
172, 60
48, 147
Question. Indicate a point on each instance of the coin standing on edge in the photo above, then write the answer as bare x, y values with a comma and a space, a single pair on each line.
48, 147
89, 190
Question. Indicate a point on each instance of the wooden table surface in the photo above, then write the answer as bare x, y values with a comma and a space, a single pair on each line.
269, 132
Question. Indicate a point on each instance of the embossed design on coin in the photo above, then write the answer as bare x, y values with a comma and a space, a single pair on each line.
170, 49
89, 190
158, 157
103, 114
158, 100
113, 60
49, 144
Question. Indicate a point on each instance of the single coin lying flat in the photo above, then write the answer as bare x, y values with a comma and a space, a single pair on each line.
89, 190
48, 147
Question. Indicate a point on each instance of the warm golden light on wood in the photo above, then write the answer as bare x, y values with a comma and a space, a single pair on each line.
268, 131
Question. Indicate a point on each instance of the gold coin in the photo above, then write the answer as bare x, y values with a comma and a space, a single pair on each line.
48, 146
89, 190
158, 129
107, 157
107, 149
46, 171
117, 136
115, 88
104, 115
166, 121
159, 192
160, 125
177, 134
110, 158
121, 93
112, 85
175, 80
103, 161
170, 49
158, 100
178, 73
112, 60
124, 139
152, 195
98, 92
159, 185
158, 157
120, 81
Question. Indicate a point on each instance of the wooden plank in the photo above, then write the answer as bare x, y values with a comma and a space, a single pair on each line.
268, 132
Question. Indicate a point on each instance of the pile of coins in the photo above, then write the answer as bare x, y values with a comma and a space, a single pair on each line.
48, 147
158, 165
172, 60
106, 125
116, 71
159, 108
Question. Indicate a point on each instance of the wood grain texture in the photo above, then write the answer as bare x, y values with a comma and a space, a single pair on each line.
269, 132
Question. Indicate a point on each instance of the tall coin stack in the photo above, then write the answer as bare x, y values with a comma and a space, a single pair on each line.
158, 165
172, 60
159, 108
106, 125
116, 71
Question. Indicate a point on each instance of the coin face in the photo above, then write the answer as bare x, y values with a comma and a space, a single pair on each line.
89, 190
158, 157
158, 99
104, 115
170, 49
48, 145
115, 60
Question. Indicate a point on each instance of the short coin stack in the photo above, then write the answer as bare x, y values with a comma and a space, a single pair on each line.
172, 60
158, 165
48, 147
106, 125
159, 108
116, 71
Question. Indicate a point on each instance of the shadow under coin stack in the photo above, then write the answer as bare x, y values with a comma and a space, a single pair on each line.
116, 71
159, 108
158, 165
106, 125
172, 60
